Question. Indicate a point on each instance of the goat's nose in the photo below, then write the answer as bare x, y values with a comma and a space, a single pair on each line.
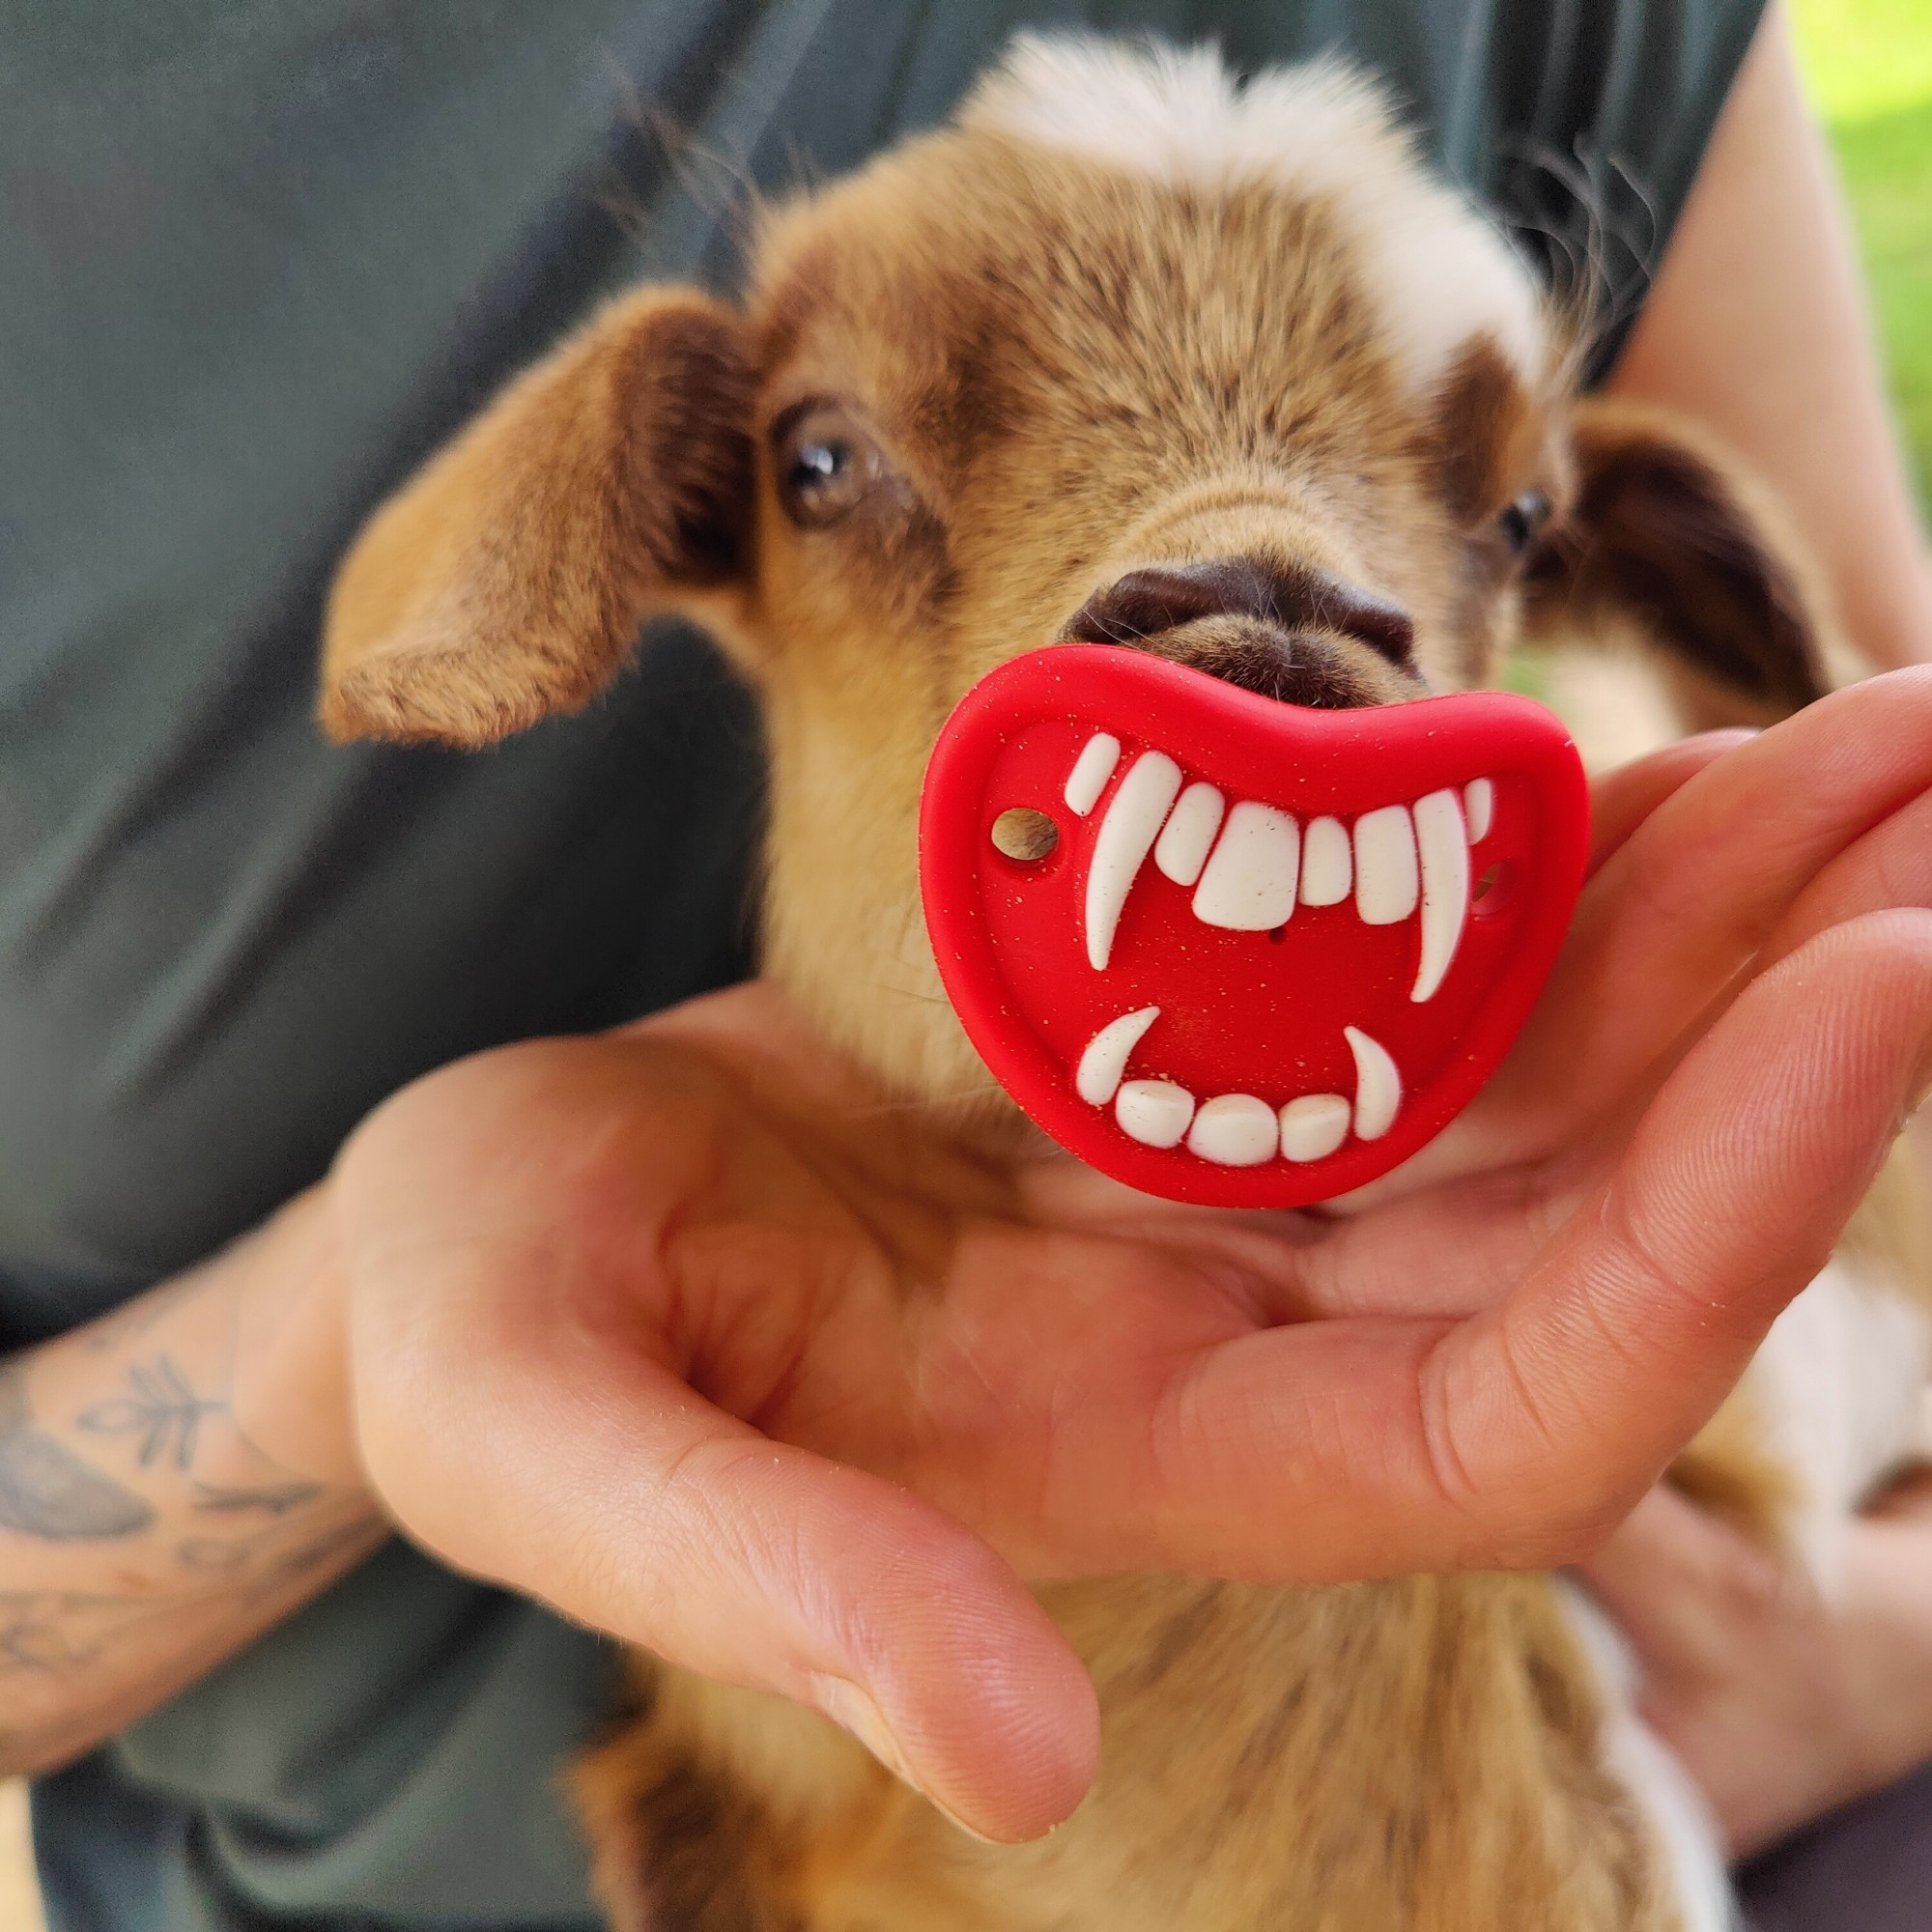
1294, 599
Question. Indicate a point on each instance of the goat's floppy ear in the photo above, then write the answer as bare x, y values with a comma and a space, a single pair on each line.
1667, 535
509, 578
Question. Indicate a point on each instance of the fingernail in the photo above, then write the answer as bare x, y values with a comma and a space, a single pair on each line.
854, 1710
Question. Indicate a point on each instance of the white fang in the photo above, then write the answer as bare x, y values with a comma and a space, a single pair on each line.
1126, 833
1444, 847
1377, 1085
1092, 769
1105, 1059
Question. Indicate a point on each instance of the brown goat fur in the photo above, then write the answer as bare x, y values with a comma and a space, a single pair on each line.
1050, 364
1417, 1755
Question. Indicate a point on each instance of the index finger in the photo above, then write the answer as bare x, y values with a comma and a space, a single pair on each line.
1519, 1436
1681, 907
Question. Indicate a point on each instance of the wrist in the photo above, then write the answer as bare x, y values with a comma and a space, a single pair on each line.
292, 1398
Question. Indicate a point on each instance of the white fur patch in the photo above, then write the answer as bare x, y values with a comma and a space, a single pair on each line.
1440, 273
1841, 1376
1641, 1762
1841, 1383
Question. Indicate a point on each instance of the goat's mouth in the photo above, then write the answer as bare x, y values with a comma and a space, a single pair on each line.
1237, 951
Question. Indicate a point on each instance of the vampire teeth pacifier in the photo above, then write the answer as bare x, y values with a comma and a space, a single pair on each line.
1233, 950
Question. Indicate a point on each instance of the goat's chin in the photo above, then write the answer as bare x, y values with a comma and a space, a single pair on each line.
936, 1080
986, 1126
900, 1028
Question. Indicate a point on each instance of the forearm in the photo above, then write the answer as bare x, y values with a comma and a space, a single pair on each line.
145, 1531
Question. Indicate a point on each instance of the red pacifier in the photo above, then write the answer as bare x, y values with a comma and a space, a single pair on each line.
1233, 950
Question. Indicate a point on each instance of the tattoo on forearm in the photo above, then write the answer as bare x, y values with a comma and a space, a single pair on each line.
47, 1631
277, 1500
200, 1555
162, 1410
213, 1554
54, 1632
210, 1554
323, 1544
47, 1491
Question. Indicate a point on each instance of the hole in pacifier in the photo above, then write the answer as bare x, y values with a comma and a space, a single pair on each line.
1494, 889
1021, 832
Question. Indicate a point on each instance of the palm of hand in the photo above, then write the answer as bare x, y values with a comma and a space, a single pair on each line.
665, 1326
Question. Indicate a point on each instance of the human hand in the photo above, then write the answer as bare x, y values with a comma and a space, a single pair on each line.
1781, 1702
689, 1331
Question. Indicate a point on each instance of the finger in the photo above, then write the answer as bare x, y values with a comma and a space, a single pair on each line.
1439, 1250
1449, 1249
1678, 911
526, 1432
544, 1460
1519, 1436
1621, 800
1890, 867
1735, 1184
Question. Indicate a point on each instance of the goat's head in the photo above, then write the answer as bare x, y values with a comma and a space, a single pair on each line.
1127, 354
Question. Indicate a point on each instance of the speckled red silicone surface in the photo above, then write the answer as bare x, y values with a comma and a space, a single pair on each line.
1271, 952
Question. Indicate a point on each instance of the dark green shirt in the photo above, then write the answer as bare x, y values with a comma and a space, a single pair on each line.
256, 257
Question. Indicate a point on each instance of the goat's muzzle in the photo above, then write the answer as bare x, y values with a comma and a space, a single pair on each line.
1287, 631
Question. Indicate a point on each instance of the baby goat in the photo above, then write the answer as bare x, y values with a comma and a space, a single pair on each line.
1133, 353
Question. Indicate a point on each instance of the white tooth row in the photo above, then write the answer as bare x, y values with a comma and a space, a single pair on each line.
1251, 865
1237, 1129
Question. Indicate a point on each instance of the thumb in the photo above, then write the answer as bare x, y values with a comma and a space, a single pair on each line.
566, 1463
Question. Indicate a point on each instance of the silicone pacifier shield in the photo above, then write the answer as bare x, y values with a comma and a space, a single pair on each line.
1237, 951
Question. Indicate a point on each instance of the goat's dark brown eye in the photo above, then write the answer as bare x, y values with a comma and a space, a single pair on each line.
1521, 521
826, 464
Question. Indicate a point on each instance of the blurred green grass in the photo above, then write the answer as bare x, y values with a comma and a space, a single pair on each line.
1869, 67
